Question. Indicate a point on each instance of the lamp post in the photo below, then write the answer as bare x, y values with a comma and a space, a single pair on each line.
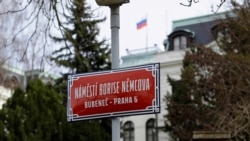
115, 26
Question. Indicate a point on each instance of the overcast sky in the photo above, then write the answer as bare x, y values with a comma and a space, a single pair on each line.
159, 13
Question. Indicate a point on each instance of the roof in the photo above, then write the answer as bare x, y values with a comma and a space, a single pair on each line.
139, 56
201, 26
201, 19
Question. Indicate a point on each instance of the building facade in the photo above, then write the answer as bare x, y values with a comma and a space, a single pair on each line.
11, 77
185, 32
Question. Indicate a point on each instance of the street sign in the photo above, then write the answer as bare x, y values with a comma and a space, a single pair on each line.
119, 92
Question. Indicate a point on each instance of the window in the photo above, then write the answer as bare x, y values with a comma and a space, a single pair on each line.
1, 78
180, 42
128, 131
180, 39
151, 130
14, 81
221, 31
11, 82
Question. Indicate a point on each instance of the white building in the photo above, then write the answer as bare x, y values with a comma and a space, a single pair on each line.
144, 125
197, 30
11, 77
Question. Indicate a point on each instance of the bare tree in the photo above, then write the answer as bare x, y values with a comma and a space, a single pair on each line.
28, 25
190, 2
25, 29
29, 22
216, 6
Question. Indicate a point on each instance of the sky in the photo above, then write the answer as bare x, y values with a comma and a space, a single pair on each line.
159, 14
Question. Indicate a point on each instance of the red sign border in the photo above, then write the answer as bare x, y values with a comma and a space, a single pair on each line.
155, 108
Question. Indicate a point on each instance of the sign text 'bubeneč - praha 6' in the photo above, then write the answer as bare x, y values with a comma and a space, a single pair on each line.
120, 92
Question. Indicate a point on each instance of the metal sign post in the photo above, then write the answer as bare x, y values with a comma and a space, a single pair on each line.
115, 26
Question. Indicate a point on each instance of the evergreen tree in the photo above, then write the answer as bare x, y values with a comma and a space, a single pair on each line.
40, 115
82, 52
37, 114
213, 92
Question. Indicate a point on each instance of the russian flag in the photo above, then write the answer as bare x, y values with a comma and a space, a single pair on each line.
141, 24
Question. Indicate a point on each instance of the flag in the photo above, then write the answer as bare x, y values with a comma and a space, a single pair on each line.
141, 24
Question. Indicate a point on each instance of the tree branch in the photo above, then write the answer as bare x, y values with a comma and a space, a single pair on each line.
190, 2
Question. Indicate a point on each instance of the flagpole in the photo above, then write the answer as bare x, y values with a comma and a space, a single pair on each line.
141, 24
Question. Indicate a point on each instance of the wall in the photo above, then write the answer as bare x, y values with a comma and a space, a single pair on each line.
171, 63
